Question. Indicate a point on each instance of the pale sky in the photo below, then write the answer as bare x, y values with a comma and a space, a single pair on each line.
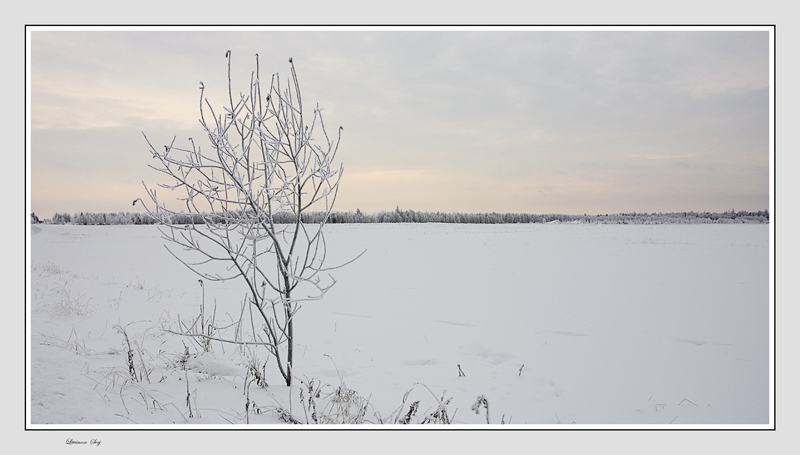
559, 120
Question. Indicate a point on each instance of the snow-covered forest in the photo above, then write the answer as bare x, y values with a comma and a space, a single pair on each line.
412, 216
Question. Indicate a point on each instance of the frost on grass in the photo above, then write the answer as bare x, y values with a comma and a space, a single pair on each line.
58, 298
68, 304
48, 268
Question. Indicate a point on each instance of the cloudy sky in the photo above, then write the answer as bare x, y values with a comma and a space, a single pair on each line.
557, 120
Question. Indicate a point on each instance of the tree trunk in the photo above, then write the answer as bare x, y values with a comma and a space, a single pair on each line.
289, 335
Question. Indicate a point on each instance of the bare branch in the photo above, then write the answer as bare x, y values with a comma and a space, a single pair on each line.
262, 169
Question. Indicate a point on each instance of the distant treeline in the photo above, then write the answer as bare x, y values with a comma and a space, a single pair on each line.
411, 216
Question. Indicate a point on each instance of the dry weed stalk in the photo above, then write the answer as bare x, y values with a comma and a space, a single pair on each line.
412, 411
131, 367
481, 401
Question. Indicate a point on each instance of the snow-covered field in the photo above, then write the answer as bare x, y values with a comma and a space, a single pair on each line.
638, 326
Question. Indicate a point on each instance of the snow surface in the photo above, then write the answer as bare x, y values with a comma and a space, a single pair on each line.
640, 326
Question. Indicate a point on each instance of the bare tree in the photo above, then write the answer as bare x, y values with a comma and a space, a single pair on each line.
268, 165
